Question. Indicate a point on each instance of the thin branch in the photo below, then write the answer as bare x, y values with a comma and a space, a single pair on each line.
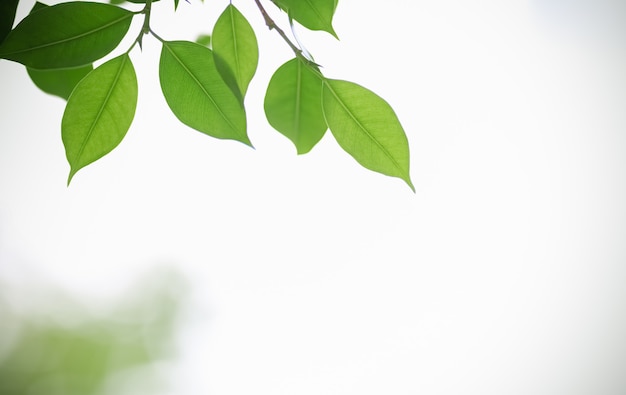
272, 25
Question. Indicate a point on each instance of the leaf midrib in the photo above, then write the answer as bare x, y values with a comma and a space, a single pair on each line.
101, 110
317, 12
298, 103
239, 77
77, 37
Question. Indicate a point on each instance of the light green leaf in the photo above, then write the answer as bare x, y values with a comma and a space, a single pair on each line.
293, 104
66, 35
312, 14
235, 49
99, 112
7, 16
58, 82
204, 39
197, 94
367, 128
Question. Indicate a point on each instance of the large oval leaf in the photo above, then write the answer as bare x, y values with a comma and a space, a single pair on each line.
66, 35
312, 14
293, 104
58, 82
99, 112
7, 16
197, 94
235, 49
367, 128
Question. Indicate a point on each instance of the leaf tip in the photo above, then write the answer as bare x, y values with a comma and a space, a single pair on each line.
69, 178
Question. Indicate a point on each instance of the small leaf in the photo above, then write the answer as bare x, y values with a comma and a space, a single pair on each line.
7, 16
367, 128
204, 39
235, 49
293, 104
312, 14
197, 94
66, 35
58, 82
99, 112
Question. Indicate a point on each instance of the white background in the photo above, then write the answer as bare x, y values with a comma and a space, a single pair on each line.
503, 274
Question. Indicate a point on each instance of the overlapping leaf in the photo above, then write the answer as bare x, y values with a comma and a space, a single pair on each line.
367, 128
197, 94
293, 104
99, 112
59, 82
66, 35
312, 14
7, 16
236, 50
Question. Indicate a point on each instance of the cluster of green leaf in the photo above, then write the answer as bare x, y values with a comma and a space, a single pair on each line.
204, 85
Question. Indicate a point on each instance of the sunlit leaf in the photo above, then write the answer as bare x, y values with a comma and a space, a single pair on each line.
66, 35
99, 112
197, 94
7, 16
312, 14
293, 104
236, 49
58, 82
367, 128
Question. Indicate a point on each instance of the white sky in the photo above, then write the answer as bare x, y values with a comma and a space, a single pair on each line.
503, 274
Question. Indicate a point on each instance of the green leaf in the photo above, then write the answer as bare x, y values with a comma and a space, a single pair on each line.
7, 16
204, 39
175, 5
99, 112
293, 104
38, 6
58, 82
312, 14
367, 128
66, 35
235, 48
197, 94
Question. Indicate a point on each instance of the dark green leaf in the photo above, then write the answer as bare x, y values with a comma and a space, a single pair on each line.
99, 112
197, 94
236, 50
293, 104
38, 6
312, 14
7, 16
175, 5
66, 35
367, 128
58, 82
